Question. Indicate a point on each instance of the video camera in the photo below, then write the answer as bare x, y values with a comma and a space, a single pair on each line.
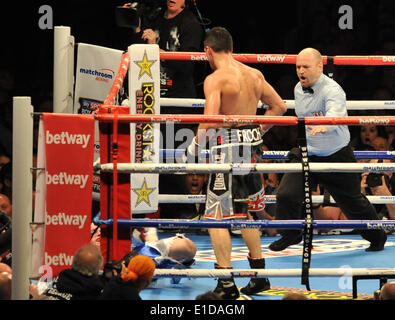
130, 14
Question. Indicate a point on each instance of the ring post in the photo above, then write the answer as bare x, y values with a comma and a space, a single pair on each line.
22, 160
63, 70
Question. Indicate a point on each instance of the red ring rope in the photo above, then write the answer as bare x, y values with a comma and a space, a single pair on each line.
246, 58
117, 84
283, 58
243, 119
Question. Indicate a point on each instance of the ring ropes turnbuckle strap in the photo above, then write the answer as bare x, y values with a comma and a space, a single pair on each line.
307, 204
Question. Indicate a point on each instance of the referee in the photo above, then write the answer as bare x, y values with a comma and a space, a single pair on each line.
318, 95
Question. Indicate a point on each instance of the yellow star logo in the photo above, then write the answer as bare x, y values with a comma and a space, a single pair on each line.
143, 194
145, 65
147, 153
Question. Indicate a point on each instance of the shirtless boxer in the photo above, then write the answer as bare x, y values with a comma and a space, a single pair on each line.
233, 89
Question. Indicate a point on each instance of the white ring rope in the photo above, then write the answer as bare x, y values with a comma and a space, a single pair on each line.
350, 105
243, 168
263, 273
267, 199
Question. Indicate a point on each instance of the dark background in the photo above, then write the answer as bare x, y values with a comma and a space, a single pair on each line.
256, 26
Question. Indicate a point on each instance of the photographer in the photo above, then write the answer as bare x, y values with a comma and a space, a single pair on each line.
378, 184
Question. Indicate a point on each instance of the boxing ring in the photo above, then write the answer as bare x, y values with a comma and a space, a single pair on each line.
200, 278
237, 168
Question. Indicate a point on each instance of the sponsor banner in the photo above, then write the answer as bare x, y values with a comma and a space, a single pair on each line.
144, 98
96, 70
68, 177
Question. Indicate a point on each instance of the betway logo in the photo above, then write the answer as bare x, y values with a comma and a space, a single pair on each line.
67, 138
100, 74
374, 121
58, 260
388, 58
64, 178
270, 58
198, 58
61, 219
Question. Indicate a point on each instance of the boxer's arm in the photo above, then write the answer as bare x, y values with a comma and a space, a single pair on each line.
205, 131
269, 96
212, 93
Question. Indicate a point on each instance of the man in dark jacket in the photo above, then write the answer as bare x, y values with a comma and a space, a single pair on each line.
81, 282
176, 28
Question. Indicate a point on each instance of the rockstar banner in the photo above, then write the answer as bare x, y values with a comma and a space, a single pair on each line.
144, 98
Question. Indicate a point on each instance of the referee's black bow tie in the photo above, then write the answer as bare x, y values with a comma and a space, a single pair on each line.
308, 90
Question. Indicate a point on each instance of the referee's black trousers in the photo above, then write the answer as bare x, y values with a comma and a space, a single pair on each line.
345, 188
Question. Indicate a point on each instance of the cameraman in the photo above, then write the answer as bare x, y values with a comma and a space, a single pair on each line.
175, 29
378, 184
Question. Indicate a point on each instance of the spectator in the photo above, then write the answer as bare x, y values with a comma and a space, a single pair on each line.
135, 277
4, 159
5, 285
377, 184
5, 238
387, 291
5, 281
390, 132
5, 268
95, 235
5, 205
82, 281
6, 179
380, 144
367, 133
271, 182
194, 184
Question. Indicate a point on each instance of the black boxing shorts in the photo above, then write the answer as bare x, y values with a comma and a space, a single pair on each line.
229, 195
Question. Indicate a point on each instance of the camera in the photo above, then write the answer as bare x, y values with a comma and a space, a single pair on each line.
130, 14
374, 179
